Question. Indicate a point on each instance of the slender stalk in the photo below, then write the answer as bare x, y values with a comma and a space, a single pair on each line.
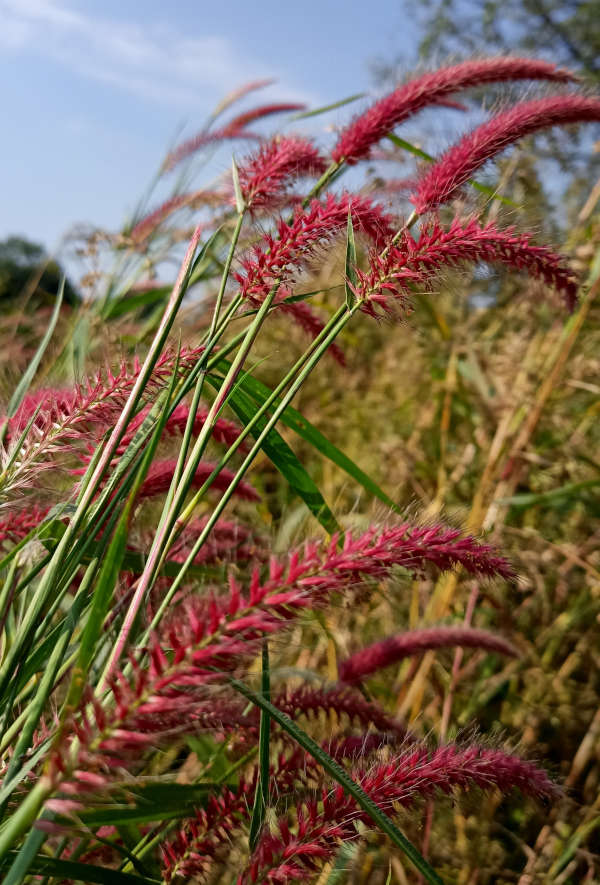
158, 545
224, 500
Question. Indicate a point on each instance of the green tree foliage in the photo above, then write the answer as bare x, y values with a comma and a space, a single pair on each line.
26, 271
566, 30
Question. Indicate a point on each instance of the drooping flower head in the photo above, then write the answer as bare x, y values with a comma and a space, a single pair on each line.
442, 180
433, 88
417, 260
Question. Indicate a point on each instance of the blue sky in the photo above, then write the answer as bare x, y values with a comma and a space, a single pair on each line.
95, 92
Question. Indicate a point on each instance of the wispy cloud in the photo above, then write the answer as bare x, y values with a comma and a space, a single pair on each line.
153, 59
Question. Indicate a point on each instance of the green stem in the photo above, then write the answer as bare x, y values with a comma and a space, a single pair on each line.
160, 543
334, 331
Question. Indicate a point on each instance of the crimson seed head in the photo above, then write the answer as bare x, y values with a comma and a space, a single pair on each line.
236, 128
395, 648
368, 128
267, 174
149, 223
459, 163
202, 139
275, 258
259, 113
418, 772
417, 260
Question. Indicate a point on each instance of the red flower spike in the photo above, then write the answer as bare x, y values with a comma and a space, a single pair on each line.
265, 176
442, 180
383, 116
417, 261
67, 416
275, 258
418, 772
395, 648
193, 200
236, 128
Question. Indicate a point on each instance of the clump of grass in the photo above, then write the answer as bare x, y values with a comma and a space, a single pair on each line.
140, 598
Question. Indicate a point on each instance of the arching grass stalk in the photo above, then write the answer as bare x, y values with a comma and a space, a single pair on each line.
333, 330
47, 583
161, 536
211, 341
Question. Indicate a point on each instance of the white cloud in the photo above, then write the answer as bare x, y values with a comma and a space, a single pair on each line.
154, 60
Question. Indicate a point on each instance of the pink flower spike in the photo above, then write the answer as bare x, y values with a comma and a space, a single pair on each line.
275, 258
18, 524
64, 806
265, 176
259, 113
417, 261
202, 139
395, 648
149, 223
417, 772
433, 88
241, 92
442, 180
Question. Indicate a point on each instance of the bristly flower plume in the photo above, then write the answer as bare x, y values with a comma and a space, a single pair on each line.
441, 182
266, 175
156, 657
276, 257
416, 261
235, 129
433, 88
287, 855
395, 648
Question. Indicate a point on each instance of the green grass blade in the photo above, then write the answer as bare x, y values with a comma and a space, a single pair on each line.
29, 374
261, 798
326, 108
351, 276
569, 493
42, 865
299, 424
423, 155
282, 456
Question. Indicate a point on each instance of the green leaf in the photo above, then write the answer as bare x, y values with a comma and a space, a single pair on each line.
28, 376
132, 303
284, 459
328, 107
240, 203
261, 798
341, 776
152, 802
299, 424
81, 872
351, 275
554, 497
423, 155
